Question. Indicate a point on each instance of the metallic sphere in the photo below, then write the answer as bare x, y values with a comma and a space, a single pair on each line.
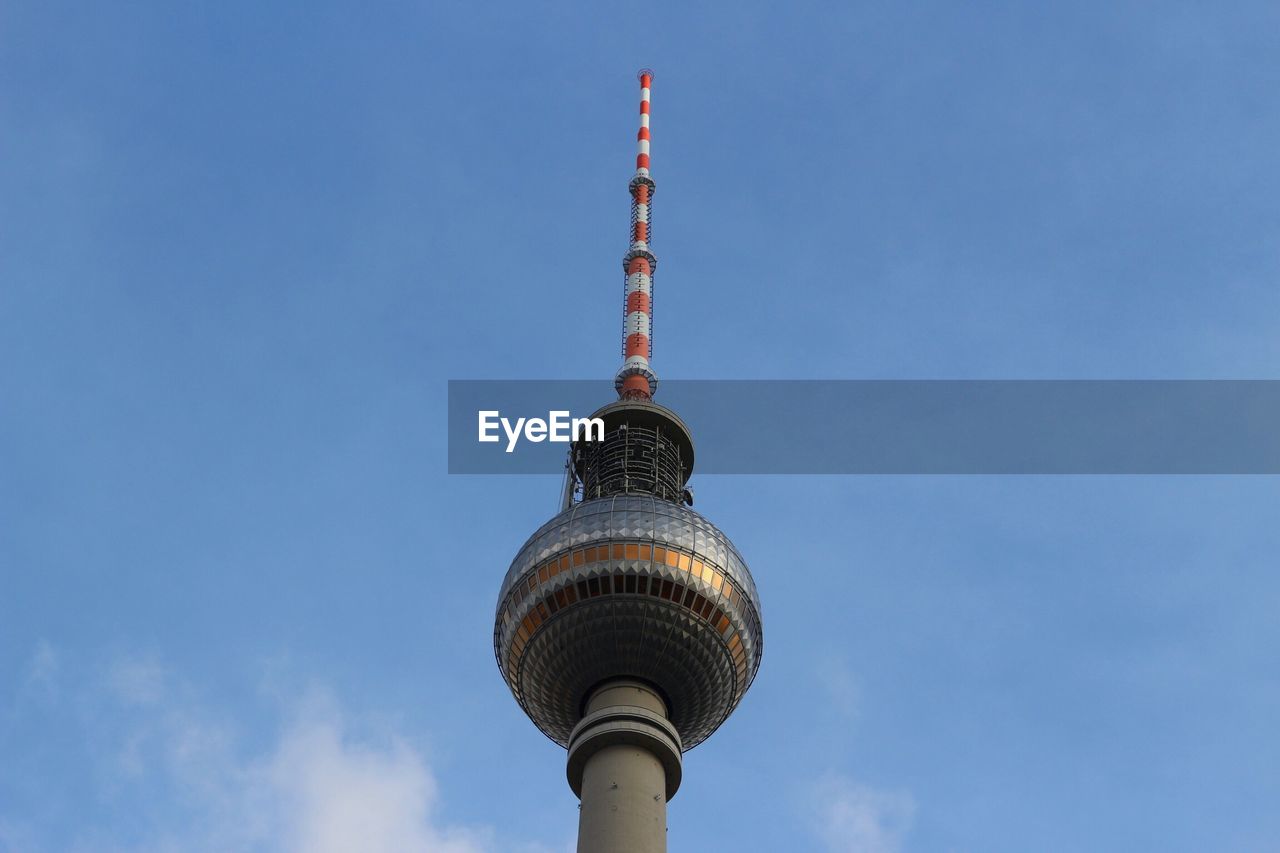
629, 586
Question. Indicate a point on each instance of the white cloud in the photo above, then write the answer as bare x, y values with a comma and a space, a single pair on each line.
329, 794
176, 775
316, 789
855, 818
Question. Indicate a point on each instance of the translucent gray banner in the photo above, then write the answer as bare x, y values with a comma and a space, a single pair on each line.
906, 427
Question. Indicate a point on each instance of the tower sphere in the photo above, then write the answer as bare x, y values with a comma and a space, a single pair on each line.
629, 586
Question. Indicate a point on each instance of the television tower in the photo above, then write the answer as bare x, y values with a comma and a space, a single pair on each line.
628, 626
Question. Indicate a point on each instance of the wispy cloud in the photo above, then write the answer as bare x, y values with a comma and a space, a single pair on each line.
855, 818
136, 681
329, 794
43, 667
317, 788
323, 784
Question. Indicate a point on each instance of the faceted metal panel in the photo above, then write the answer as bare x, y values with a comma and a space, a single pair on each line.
629, 586
664, 521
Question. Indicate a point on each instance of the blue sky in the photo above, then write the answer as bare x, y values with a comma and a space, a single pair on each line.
244, 246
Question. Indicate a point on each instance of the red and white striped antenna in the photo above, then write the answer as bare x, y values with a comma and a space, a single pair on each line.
636, 379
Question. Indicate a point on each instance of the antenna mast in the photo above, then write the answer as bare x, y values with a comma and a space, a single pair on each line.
636, 379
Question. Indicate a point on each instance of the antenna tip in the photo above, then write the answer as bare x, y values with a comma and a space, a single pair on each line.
643, 73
